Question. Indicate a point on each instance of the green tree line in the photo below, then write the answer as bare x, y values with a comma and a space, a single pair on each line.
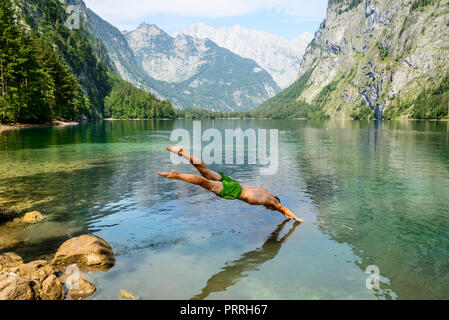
36, 84
127, 102
49, 72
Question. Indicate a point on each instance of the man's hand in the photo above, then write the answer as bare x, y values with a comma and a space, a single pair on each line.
288, 214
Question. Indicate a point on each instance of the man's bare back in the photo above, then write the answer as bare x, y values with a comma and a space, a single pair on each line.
226, 187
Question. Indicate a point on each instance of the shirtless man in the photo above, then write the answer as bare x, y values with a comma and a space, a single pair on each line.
226, 187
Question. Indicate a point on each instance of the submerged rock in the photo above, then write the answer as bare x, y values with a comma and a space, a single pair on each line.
6, 214
83, 290
8, 241
32, 217
86, 250
124, 294
13, 227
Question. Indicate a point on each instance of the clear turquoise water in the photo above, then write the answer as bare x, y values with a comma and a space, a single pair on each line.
371, 193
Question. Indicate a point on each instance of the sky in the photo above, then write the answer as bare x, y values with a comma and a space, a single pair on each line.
287, 18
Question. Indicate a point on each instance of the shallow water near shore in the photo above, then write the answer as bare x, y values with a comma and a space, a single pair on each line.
371, 193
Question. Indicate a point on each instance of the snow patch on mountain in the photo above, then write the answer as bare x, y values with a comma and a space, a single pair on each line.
278, 56
203, 74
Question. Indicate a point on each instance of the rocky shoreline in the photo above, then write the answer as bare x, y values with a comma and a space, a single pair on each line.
55, 123
62, 277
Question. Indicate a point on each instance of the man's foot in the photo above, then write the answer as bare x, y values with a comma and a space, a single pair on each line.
177, 149
170, 175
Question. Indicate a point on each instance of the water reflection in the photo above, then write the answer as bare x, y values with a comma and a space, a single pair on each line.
77, 176
93, 132
378, 188
250, 261
385, 193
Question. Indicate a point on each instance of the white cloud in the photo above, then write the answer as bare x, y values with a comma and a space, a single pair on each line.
136, 9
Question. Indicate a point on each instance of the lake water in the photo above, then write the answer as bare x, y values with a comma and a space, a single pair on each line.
371, 193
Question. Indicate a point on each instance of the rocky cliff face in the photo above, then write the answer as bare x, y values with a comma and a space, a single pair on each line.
121, 56
376, 53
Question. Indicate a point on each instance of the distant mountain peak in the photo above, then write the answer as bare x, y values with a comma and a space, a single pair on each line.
191, 72
150, 29
280, 57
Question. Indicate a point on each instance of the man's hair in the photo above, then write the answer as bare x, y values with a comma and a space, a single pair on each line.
278, 199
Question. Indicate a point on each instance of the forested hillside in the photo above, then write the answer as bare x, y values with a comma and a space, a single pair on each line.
48, 71
127, 102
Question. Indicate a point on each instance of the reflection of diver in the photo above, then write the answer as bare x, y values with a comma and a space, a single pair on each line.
249, 261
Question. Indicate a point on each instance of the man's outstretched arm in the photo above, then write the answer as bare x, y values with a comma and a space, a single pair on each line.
286, 212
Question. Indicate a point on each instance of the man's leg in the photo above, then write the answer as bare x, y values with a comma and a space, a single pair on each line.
198, 164
214, 186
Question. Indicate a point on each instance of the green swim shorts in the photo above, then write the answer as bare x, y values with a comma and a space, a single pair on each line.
231, 188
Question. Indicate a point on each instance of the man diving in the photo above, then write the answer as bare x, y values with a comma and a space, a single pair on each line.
226, 187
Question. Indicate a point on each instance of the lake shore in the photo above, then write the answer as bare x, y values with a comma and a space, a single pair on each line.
55, 123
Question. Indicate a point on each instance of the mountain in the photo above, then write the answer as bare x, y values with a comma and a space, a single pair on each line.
374, 58
192, 73
119, 53
201, 74
280, 57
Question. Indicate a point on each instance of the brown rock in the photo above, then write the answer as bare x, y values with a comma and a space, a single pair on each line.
37, 270
86, 250
52, 289
9, 261
33, 217
127, 295
82, 290
44, 272
14, 287
26, 270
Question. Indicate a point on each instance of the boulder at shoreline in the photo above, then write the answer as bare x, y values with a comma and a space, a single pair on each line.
9, 262
15, 287
52, 289
86, 250
58, 278
84, 290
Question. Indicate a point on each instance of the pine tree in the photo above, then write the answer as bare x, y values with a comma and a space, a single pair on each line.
9, 46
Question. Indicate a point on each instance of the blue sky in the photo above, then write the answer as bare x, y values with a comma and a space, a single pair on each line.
287, 18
